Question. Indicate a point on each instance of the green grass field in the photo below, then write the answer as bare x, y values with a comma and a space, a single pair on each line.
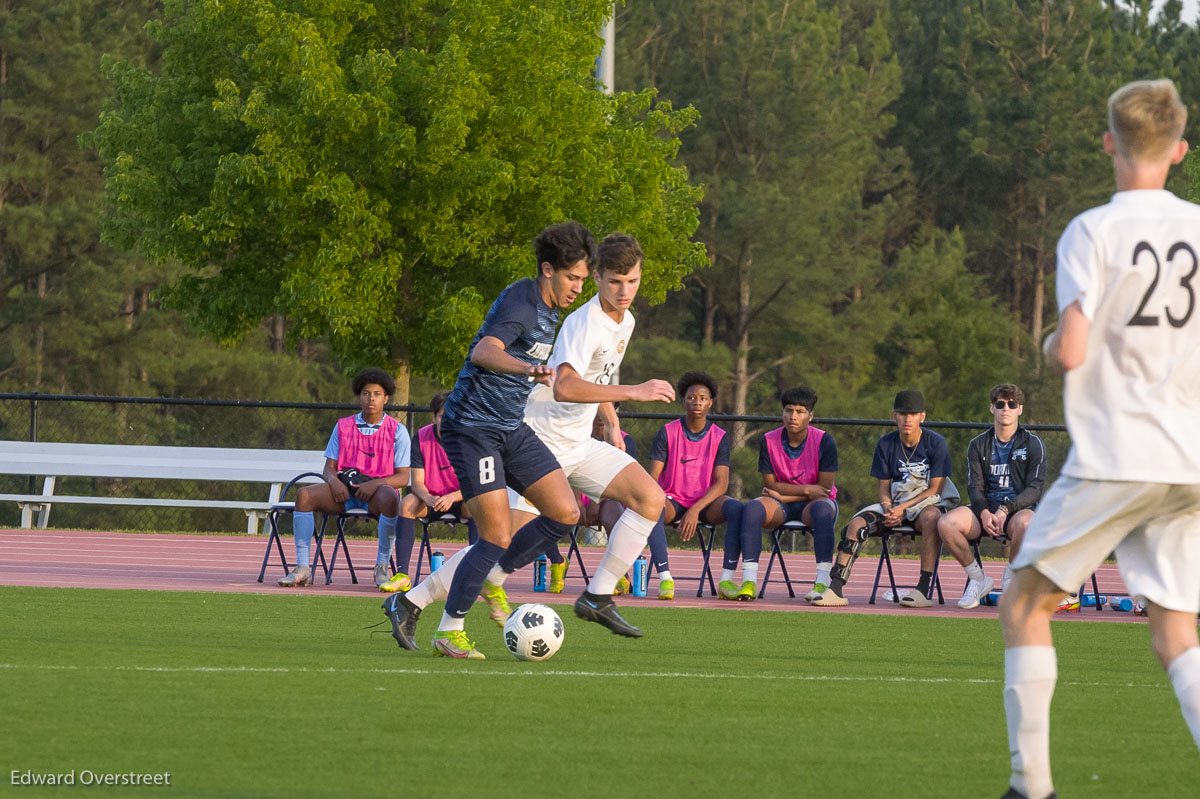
240, 695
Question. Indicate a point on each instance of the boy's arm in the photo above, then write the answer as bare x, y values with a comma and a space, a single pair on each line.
489, 353
612, 425
418, 486
793, 492
1066, 346
976, 482
569, 386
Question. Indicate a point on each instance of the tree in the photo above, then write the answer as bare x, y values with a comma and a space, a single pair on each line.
376, 173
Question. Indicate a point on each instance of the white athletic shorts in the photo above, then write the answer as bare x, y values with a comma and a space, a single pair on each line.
1153, 527
590, 467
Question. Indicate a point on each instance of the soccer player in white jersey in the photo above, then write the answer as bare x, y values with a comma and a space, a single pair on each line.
1128, 339
586, 358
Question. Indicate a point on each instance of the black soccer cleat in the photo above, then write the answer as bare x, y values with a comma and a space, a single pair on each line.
602, 610
403, 615
1013, 793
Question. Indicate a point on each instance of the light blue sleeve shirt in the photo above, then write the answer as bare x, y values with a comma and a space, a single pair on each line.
403, 442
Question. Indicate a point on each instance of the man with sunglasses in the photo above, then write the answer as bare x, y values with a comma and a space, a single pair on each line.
1006, 473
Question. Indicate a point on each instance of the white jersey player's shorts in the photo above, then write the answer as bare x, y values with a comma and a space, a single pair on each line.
590, 467
1154, 528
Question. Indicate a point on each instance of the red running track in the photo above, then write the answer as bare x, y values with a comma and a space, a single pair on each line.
89, 559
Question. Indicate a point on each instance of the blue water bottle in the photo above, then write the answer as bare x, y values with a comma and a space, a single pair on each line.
1090, 600
539, 573
1122, 603
436, 560
639, 576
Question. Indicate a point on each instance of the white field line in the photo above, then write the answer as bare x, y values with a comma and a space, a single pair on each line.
667, 675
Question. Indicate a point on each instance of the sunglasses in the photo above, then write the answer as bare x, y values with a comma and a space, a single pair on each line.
1012, 405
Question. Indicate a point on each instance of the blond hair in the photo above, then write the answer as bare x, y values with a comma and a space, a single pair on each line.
1146, 119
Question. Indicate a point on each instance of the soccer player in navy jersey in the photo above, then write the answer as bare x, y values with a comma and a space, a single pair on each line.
489, 445
912, 465
690, 460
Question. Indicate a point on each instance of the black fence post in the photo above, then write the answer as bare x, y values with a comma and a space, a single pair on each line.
33, 411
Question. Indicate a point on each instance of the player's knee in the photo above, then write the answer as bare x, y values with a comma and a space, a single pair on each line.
648, 500
412, 507
389, 500
306, 499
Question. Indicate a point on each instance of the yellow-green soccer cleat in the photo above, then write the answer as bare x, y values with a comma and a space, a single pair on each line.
748, 592
817, 590
558, 577
727, 589
666, 589
455, 644
622, 587
498, 601
399, 582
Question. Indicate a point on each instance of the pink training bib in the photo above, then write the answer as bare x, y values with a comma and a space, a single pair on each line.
803, 470
373, 455
440, 478
687, 474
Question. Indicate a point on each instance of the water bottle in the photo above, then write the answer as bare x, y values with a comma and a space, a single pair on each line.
1121, 603
1091, 600
639, 576
436, 560
539, 573
991, 599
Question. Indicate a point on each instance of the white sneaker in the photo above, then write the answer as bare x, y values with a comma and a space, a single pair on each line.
974, 590
1006, 579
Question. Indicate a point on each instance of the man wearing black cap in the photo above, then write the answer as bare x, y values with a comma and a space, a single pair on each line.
913, 469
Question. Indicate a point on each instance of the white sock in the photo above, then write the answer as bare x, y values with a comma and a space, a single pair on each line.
1004, 581
823, 570
450, 623
750, 572
1030, 673
1184, 672
436, 586
625, 543
726, 575
665, 574
497, 576
975, 571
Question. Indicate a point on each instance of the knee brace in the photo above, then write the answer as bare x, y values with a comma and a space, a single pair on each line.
853, 545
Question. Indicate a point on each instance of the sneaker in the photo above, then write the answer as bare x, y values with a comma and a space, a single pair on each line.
399, 582
381, 574
975, 590
1069, 604
748, 592
622, 587
915, 599
666, 589
727, 589
498, 601
455, 644
829, 599
301, 575
403, 615
603, 611
558, 577
817, 590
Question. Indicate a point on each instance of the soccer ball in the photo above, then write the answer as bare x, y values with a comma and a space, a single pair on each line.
533, 632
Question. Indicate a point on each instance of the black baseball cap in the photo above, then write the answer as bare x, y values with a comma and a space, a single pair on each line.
909, 401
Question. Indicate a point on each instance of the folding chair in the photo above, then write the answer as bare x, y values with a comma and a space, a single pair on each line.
342, 518
777, 552
273, 524
706, 534
574, 550
1082, 589
425, 550
885, 560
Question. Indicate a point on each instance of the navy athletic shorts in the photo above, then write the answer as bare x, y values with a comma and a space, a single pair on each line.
488, 458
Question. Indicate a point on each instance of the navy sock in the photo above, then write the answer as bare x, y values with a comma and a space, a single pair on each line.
753, 519
923, 582
406, 534
470, 576
472, 532
553, 554
658, 544
823, 513
531, 541
733, 532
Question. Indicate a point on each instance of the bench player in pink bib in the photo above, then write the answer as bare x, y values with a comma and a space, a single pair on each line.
690, 460
375, 445
798, 463
434, 491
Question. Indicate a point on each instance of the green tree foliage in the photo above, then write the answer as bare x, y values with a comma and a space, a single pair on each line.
376, 173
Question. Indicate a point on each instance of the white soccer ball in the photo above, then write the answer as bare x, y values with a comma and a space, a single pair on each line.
533, 632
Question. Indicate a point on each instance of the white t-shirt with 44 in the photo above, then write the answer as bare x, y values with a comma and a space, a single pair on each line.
1133, 405
594, 345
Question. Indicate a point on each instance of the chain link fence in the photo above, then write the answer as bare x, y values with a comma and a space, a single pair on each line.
284, 425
